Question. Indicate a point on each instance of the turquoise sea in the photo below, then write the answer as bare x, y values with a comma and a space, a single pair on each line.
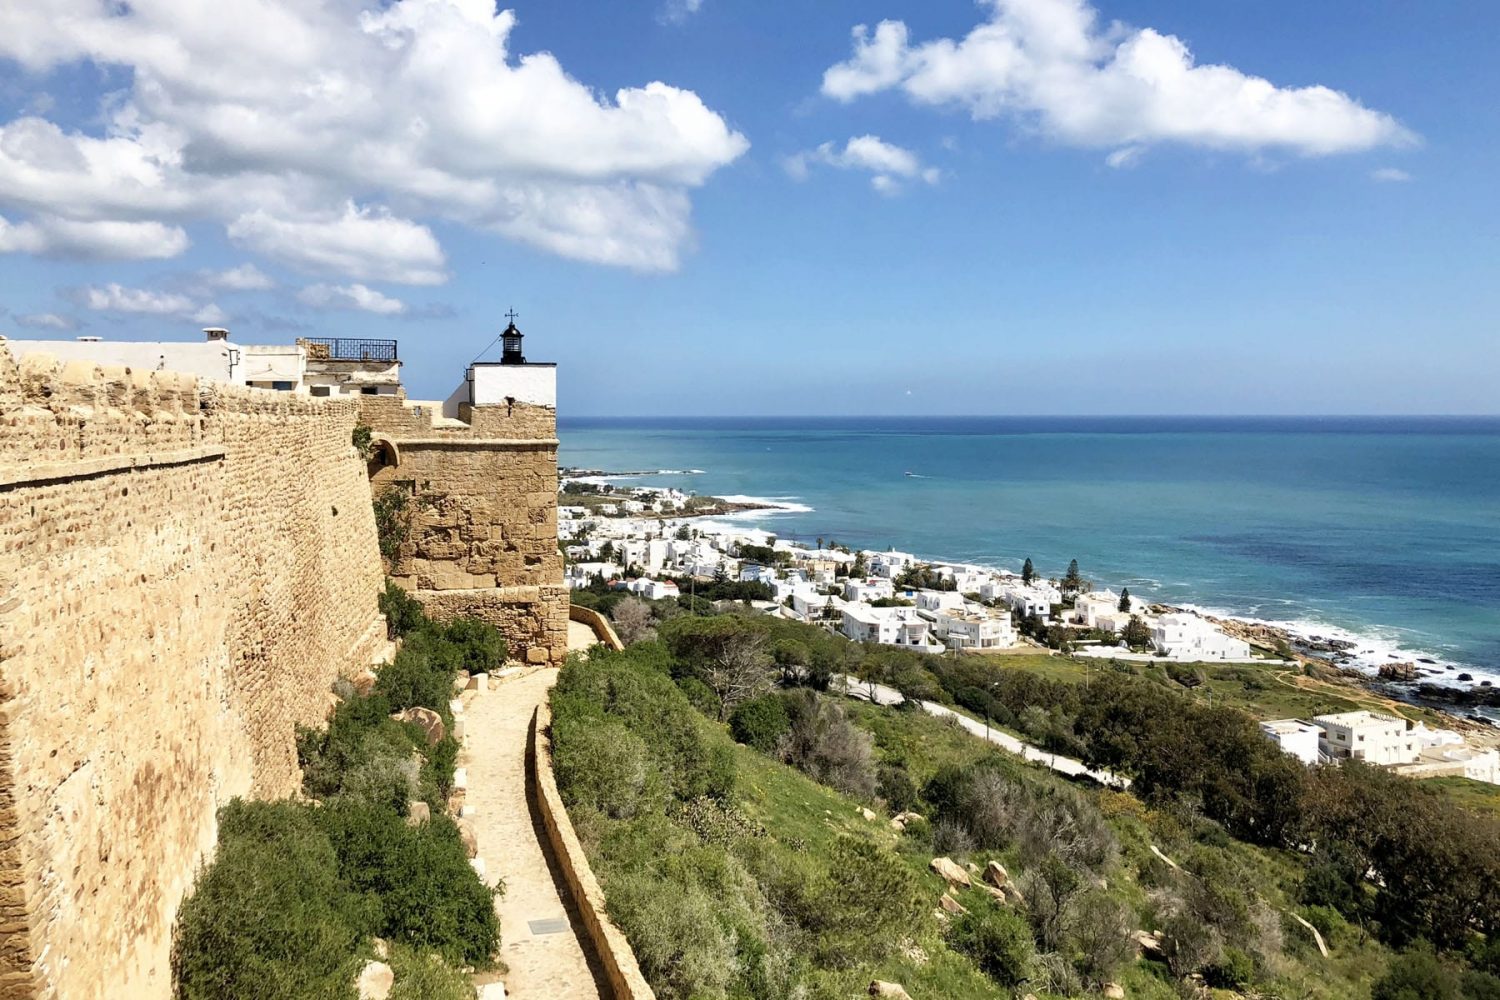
1386, 530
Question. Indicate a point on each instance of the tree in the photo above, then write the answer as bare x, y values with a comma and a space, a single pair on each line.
729, 654
632, 618
1125, 599
607, 552
1072, 583
1416, 975
684, 533
860, 567
820, 543
1136, 632
1028, 572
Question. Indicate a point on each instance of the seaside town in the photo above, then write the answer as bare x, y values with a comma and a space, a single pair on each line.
657, 542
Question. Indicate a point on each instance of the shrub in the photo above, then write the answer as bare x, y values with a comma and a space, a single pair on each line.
760, 723
421, 674
269, 919
1416, 975
599, 765
830, 749
427, 894
481, 647
997, 940
425, 976
403, 612
893, 784
862, 904
1233, 971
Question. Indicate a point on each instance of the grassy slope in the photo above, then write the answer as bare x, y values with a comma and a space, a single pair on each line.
927, 744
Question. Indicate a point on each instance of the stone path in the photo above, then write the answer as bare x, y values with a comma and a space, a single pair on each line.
855, 688
542, 941
580, 637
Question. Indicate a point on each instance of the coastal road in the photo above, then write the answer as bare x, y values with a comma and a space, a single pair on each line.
858, 689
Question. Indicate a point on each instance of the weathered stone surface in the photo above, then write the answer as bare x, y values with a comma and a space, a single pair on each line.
895, 991
952, 905
903, 819
998, 895
1113, 991
867, 814
417, 813
471, 842
1150, 944
996, 875
376, 980
952, 872
430, 722
188, 568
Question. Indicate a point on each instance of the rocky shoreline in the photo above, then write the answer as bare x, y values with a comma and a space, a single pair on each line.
1400, 680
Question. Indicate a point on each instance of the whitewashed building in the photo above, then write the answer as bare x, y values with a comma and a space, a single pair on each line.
1187, 637
867, 590
1372, 737
973, 628
892, 626
1293, 736
940, 600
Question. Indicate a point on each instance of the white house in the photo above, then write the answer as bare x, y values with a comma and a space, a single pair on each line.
581, 573
1293, 736
654, 590
1368, 736
1036, 599
1088, 608
891, 626
867, 590
755, 573
940, 600
1187, 637
890, 564
971, 628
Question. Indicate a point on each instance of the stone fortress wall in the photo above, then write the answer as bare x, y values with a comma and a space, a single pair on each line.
185, 568
483, 538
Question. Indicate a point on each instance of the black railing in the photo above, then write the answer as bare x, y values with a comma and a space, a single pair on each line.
348, 349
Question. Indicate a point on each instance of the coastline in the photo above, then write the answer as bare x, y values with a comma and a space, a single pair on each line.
1456, 688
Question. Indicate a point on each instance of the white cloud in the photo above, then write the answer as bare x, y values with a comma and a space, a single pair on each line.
144, 301
321, 130
49, 236
245, 278
678, 11
890, 164
355, 296
1390, 175
47, 321
362, 243
1049, 64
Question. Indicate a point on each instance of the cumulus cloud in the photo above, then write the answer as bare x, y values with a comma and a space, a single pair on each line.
890, 164
48, 321
245, 278
117, 298
361, 243
355, 296
1050, 65
678, 11
1390, 175
324, 133
47, 235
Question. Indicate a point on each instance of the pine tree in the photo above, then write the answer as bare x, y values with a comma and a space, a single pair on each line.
1125, 599
1028, 572
1072, 582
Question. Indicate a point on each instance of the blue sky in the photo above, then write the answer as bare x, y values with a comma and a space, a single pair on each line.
1039, 246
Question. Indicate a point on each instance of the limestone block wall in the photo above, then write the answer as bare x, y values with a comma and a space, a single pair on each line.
483, 533
185, 568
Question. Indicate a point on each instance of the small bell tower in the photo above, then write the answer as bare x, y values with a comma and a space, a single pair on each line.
510, 343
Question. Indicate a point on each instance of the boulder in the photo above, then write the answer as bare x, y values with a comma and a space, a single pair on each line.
427, 720
867, 814
471, 841
1114, 991
902, 820
1150, 944
1013, 894
952, 871
375, 981
879, 988
996, 875
952, 905
417, 813
382, 949
998, 895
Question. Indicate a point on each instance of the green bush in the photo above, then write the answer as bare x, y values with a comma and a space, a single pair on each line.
893, 783
483, 648
1416, 975
1234, 971
760, 723
997, 940
425, 976
421, 674
269, 919
403, 612
602, 765
419, 878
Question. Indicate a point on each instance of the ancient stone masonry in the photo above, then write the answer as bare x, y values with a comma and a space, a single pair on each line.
187, 567
483, 536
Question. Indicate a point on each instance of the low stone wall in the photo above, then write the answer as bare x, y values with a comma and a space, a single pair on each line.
600, 625
620, 967
532, 619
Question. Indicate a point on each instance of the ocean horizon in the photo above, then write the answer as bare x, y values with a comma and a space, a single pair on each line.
1384, 530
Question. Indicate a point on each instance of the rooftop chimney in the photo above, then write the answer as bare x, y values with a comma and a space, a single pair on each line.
215, 333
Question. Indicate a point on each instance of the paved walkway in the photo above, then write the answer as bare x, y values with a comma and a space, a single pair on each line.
855, 688
580, 637
542, 940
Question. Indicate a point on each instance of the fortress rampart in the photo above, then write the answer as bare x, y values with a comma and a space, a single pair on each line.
483, 507
187, 567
